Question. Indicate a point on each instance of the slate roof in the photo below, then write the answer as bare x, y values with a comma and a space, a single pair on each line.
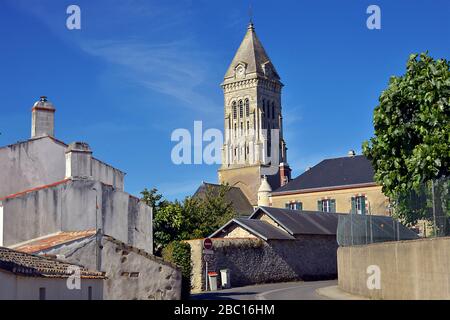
329, 173
25, 264
52, 240
252, 53
235, 195
302, 222
259, 228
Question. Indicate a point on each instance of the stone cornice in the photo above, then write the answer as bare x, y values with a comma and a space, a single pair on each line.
252, 83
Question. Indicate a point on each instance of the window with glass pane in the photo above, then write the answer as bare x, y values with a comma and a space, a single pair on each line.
327, 205
360, 205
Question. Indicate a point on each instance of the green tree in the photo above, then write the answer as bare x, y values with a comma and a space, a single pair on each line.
190, 219
411, 145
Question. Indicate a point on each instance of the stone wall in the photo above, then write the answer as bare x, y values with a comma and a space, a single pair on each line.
417, 269
42, 161
253, 261
28, 165
77, 205
132, 274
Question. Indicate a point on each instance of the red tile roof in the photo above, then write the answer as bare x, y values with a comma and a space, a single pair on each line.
53, 240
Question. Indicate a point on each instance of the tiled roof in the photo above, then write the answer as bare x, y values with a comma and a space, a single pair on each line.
259, 228
331, 173
25, 264
53, 240
302, 222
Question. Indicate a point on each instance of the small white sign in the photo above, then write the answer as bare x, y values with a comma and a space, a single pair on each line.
205, 251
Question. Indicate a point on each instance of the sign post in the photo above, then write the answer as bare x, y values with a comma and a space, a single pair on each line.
207, 250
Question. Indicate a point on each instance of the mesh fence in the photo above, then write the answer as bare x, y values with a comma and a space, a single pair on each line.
354, 229
424, 212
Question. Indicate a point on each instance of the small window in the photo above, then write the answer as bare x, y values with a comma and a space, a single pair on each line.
326, 205
241, 109
294, 205
235, 129
234, 110
248, 126
359, 205
42, 294
247, 108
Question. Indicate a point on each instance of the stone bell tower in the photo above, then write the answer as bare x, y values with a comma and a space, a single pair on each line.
253, 140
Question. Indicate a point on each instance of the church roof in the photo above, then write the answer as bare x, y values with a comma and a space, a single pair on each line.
251, 52
234, 195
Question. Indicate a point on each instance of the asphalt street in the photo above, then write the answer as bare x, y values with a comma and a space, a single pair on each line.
273, 291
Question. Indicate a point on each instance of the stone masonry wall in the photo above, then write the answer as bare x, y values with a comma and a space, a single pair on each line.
132, 274
253, 261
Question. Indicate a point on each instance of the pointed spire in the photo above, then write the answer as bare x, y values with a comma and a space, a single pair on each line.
253, 56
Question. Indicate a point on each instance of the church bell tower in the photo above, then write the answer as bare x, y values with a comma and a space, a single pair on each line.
253, 141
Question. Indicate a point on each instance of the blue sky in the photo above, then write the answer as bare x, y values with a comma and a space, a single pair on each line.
137, 70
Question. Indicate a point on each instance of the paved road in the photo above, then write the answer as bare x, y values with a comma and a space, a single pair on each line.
274, 291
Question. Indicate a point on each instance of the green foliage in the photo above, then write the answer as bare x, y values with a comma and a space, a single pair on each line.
417, 204
412, 128
179, 253
190, 219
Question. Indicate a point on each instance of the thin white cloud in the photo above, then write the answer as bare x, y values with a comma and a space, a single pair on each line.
173, 65
172, 68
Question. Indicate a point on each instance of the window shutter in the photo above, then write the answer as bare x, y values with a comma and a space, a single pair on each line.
299, 206
319, 205
353, 205
333, 205
363, 205
286, 205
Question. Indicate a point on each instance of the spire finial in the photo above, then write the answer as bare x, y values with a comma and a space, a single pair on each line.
250, 16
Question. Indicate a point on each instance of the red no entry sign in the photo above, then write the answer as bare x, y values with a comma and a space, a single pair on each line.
207, 244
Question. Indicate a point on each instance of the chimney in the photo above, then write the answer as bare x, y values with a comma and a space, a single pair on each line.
42, 118
79, 161
285, 173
